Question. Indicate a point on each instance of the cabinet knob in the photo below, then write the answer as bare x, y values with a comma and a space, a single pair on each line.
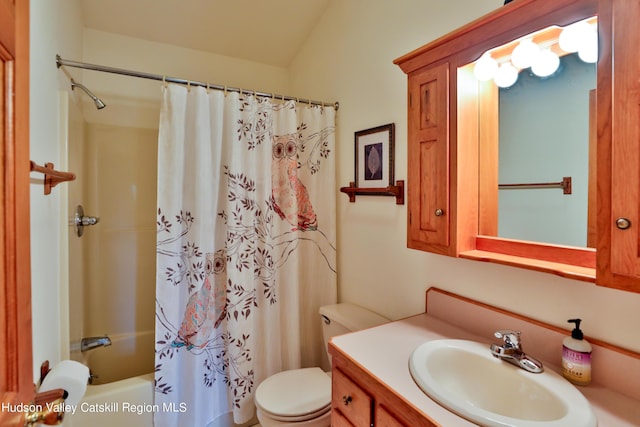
439, 212
346, 400
623, 223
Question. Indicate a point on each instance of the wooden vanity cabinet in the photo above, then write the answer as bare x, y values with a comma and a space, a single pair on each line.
352, 403
384, 418
359, 400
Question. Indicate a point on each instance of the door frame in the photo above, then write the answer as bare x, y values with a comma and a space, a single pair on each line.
16, 366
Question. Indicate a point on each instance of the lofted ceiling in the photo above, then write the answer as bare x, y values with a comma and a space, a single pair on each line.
266, 31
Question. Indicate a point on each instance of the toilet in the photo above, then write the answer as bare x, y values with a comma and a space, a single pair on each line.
302, 397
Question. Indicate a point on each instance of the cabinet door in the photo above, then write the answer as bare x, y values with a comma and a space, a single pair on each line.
428, 167
350, 401
619, 110
339, 420
385, 418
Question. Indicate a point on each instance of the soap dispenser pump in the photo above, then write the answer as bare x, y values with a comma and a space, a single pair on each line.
576, 356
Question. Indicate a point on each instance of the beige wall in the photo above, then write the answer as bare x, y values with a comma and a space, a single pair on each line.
56, 27
349, 58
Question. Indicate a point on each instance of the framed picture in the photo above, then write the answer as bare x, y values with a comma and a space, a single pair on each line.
374, 157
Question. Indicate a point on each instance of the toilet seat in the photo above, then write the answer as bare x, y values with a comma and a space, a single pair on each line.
295, 395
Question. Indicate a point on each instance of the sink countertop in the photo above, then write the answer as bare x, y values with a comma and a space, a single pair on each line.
384, 352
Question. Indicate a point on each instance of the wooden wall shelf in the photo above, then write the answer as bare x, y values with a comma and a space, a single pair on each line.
396, 191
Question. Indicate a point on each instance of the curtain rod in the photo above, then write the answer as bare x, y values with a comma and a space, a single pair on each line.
64, 62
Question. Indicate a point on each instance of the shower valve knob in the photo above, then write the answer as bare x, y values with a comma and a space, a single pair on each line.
89, 220
81, 221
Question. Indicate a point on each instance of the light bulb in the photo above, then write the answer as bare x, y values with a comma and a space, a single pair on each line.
506, 75
545, 63
588, 51
523, 54
572, 36
485, 67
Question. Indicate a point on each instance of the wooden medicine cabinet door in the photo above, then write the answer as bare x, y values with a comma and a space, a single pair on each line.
618, 260
428, 151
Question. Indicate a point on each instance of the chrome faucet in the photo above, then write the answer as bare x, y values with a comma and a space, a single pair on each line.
512, 352
94, 342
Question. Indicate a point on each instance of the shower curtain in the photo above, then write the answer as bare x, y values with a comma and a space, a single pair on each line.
245, 248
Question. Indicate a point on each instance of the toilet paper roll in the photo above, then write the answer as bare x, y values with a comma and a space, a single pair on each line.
69, 375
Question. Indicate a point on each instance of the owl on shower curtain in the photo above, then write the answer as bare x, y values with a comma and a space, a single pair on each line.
207, 307
289, 195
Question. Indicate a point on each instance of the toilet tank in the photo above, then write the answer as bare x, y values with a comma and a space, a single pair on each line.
338, 319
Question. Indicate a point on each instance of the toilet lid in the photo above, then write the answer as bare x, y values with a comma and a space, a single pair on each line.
295, 393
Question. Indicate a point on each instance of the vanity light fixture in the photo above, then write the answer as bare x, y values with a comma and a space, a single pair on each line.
589, 54
588, 51
545, 63
572, 36
524, 53
506, 75
580, 37
485, 68
541, 51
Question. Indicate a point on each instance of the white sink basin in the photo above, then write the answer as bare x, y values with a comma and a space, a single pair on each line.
465, 378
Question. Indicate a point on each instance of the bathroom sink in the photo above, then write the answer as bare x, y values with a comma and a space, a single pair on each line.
466, 379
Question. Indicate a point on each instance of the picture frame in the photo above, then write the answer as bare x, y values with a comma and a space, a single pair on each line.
374, 157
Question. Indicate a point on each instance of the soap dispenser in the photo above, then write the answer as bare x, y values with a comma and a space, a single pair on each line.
576, 356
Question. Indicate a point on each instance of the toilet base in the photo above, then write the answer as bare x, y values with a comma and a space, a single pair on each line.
322, 421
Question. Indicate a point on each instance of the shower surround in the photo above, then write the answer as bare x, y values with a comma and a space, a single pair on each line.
112, 266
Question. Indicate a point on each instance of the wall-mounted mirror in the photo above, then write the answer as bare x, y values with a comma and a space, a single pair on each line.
544, 140
538, 153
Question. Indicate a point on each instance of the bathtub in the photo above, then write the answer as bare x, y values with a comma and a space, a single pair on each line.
124, 403
121, 392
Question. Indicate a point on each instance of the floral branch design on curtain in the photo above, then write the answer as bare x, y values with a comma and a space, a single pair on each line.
258, 126
316, 144
249, 232
188, 268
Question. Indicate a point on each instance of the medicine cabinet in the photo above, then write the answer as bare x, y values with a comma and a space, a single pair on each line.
454, 131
